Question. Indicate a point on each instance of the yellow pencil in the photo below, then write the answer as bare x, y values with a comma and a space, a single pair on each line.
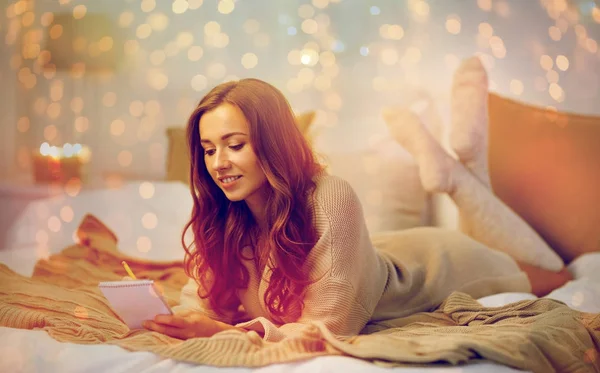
128, 270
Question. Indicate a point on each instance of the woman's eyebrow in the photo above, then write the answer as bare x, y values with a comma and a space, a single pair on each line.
224, 137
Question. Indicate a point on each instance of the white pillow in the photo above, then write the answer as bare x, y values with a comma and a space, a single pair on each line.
147, 228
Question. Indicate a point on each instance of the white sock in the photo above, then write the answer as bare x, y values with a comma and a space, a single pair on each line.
469, 118
406, 128
485, 218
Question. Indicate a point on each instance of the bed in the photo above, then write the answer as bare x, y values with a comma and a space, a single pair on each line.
126, 212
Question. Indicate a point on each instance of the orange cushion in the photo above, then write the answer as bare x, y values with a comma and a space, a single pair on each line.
546, 166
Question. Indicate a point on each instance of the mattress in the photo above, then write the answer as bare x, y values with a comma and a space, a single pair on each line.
151, 228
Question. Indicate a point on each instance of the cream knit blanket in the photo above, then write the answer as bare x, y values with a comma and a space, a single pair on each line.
62, 298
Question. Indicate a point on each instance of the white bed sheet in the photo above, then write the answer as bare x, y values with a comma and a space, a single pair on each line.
122, 210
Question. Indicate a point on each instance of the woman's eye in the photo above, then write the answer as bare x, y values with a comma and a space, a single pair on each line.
209, 151
236, 147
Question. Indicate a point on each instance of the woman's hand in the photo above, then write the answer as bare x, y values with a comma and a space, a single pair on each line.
185, 325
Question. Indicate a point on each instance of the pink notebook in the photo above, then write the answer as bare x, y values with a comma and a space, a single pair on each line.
135, 301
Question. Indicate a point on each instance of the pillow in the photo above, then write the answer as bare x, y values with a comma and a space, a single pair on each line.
545, 165
386, 181
178, 159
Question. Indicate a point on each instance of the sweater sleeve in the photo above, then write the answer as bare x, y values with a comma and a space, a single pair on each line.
189, 300
348, 276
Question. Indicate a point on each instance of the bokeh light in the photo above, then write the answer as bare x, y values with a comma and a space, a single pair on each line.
546, 62
125, 158
146, 190
516, 87
453, 24
117, 127
562, 63
109, 99
199, 82
195, 53
66, 214
144, 244
54, 224
149, 220
249, 60
342, 62
226, 6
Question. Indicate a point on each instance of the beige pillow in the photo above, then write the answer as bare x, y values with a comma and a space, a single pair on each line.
387, 183
546, 166
178, 159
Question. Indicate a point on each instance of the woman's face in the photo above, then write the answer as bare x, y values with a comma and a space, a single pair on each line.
229, 158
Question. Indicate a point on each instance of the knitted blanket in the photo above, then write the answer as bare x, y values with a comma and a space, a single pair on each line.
63, 299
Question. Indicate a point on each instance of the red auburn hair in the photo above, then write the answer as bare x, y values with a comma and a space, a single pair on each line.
222, 228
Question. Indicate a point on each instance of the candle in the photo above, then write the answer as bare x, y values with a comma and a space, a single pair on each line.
60, 164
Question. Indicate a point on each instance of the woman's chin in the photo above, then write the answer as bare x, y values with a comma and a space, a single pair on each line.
234, 197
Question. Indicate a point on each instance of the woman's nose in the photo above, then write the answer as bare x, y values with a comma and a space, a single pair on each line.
221, 161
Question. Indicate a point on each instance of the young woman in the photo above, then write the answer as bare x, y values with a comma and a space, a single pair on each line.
280, 244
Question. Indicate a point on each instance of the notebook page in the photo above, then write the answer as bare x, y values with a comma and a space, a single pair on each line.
134, 301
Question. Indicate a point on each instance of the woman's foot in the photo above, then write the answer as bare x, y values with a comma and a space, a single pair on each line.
469, 121
435, 165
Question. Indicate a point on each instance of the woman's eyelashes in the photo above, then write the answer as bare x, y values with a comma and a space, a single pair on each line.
232, 147
237, 147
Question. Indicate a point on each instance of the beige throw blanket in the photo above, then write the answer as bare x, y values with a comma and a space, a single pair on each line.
63, 299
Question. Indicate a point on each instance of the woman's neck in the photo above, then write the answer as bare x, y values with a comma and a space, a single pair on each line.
257, 204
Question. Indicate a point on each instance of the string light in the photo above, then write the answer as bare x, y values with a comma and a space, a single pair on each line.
555, 33
562, 63
117, 127
126, 19
158, 21
199, 82
306, 43
125, 158
180, 6
546, 62
226, 6
453, 24
147, 5
249, 60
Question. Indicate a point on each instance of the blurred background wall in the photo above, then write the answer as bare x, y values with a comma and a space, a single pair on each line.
114, 74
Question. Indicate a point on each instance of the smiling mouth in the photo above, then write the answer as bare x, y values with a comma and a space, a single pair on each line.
229, 180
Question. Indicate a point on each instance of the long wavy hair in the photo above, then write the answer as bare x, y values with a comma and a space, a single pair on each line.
222, 228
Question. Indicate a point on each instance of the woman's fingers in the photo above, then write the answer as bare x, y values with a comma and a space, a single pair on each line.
171, 331
171, 320
183, 325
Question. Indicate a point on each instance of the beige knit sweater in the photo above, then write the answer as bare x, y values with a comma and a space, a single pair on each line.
63, 299
354, 283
